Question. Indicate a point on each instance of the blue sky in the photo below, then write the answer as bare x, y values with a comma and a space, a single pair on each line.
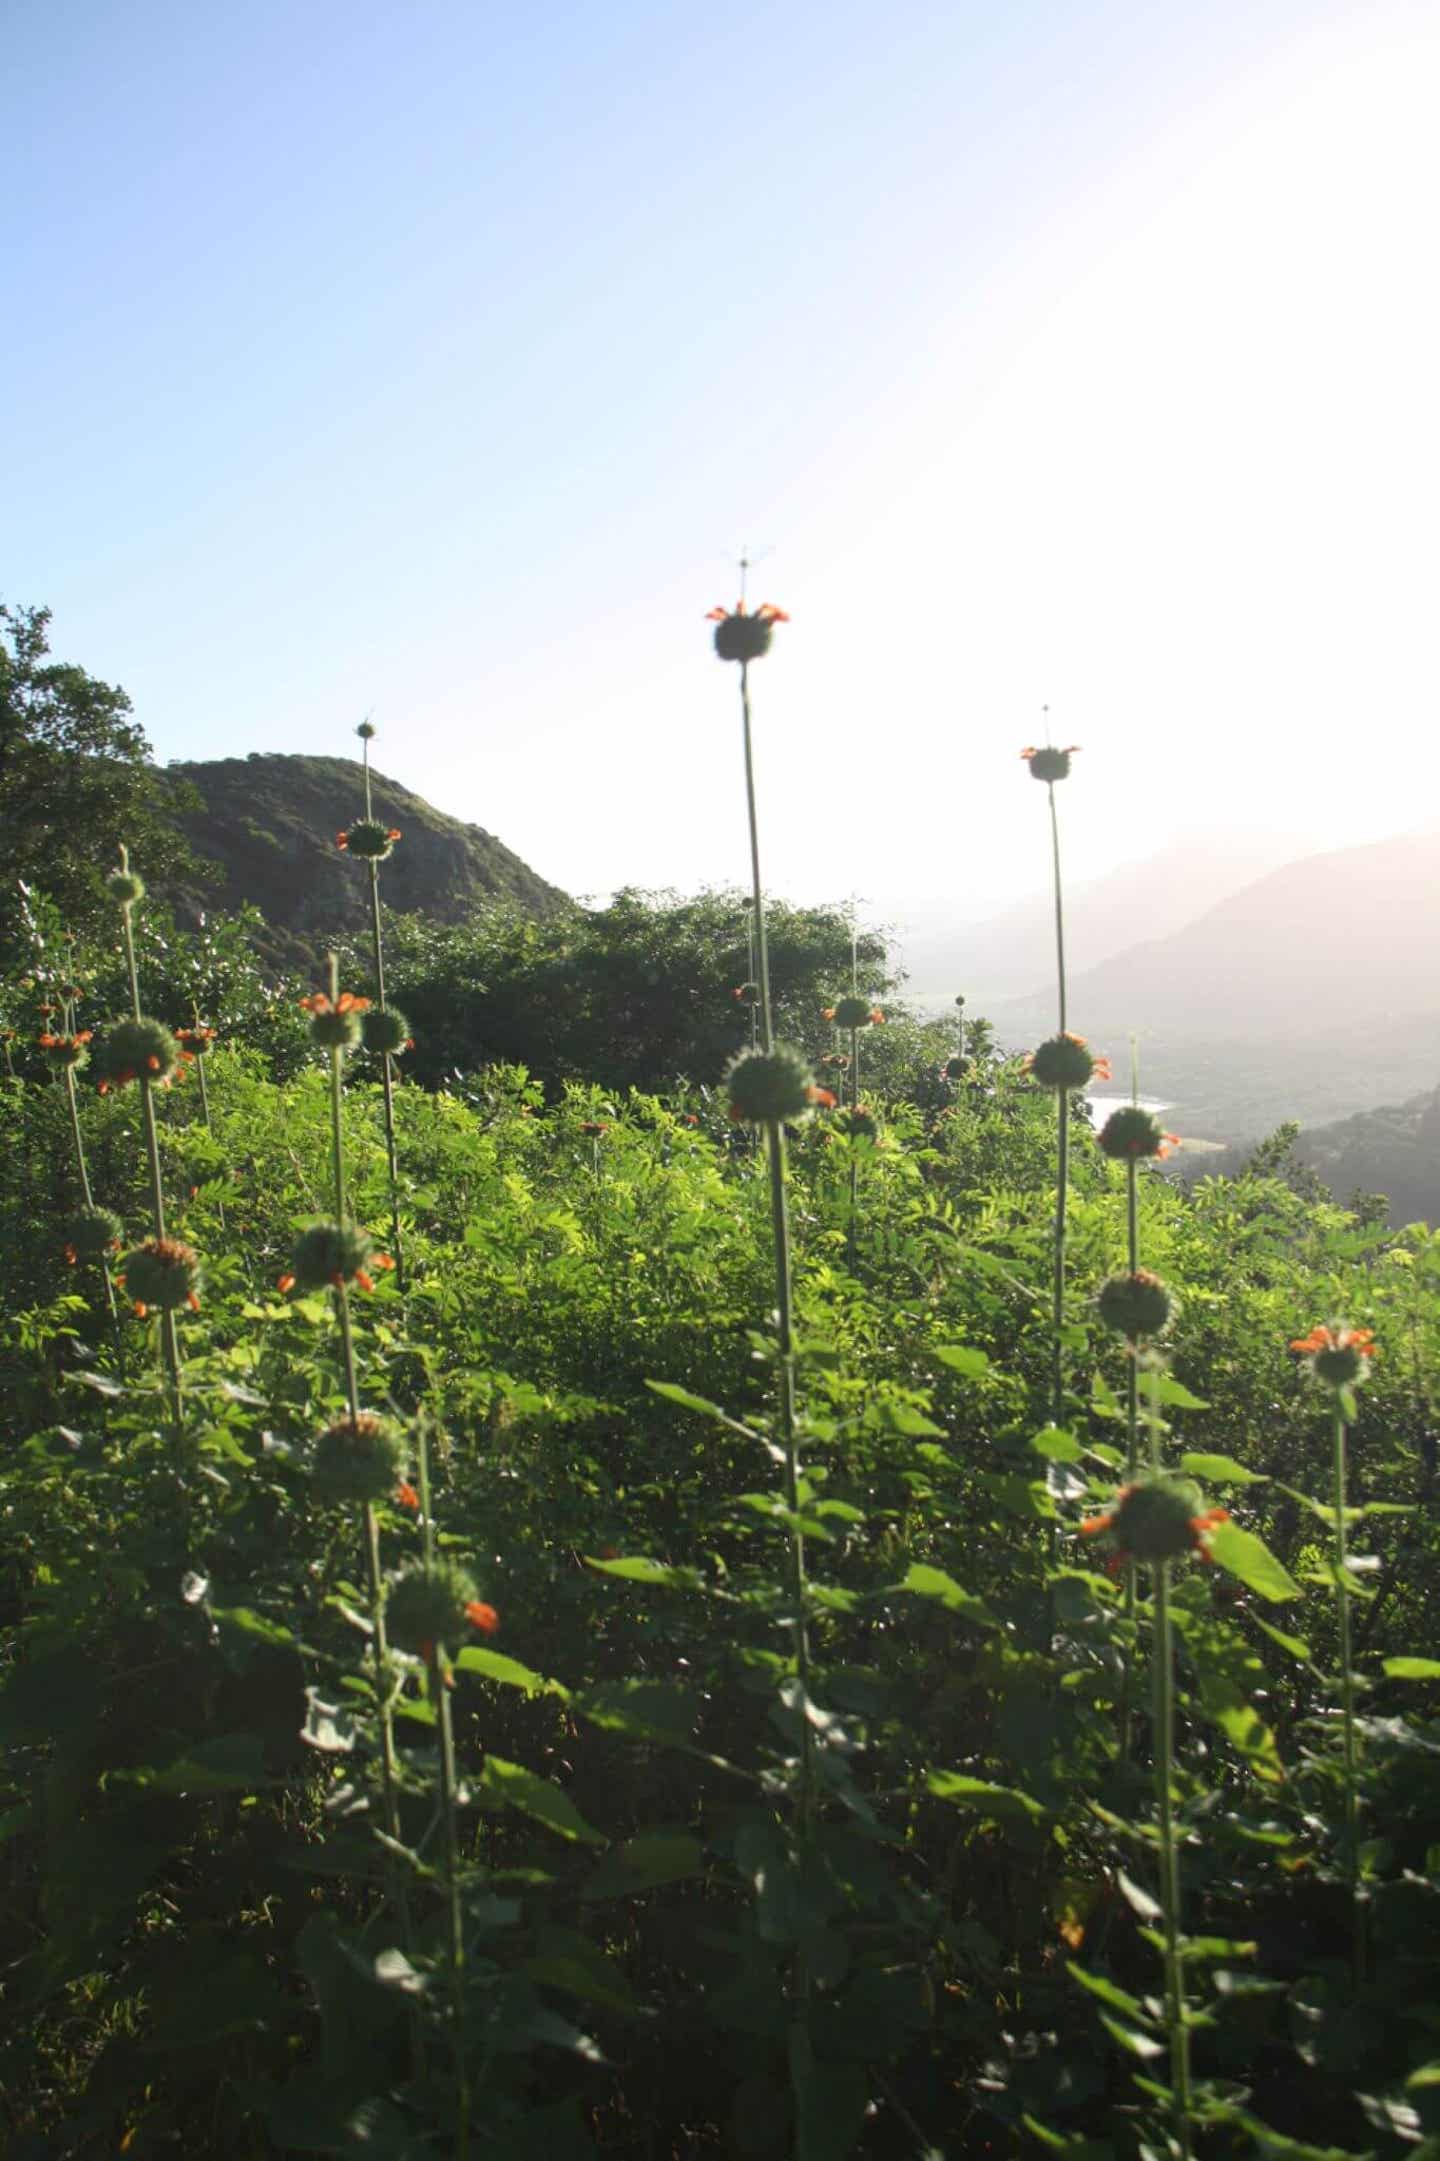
437, 358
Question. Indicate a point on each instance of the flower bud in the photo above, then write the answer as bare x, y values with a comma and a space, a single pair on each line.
743, 637
358, 1459
136, 1050
1154, 1519
849, 1012
385, 1031
1048, 763
431, 1603
328, 1255
334, 1023
1138, 1305
92, 1233
368, 838
162, 1273
769, 1087
1065, 1061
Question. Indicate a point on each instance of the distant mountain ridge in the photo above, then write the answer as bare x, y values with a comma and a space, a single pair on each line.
1311, 993
269, 823
1012, 954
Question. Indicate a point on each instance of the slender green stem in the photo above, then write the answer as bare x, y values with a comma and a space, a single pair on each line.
449, 1810
854, 1105
169, 1333
1132, 1377
762, 950
85, 1188
205, 1095
1347, 1705
1062, 1190
1164, 1713
1059, 905
387, 1064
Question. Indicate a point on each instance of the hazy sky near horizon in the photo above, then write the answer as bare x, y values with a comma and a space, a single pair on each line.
438, 359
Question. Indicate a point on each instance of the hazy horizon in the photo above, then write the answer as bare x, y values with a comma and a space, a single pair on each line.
441, 366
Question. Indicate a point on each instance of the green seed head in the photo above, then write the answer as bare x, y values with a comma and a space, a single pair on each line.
1138, 1305
327, 1254
743, 637
385, 1030
359, 1460
136, 1050
858, 1124
1064, 1061
162, 1273
955, 1069
369, 839
1048, 763
851, 1012
366, 732
1131, 1132
1155, 1519
91, 1233
125, 888
335, 1028
425, 1605
771, 1087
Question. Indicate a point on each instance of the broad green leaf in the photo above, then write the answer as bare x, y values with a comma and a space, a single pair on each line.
962, 1359
1056, 1445
639, 1568
1219, 1470
1243, 1727
495, 1666
1244, 1555
643, 1863
928, 1582
1174, 1394
687, 1401
1295, 1645
535, 1796
649, 1710
1108, 1991
1411, 1669
978, 1793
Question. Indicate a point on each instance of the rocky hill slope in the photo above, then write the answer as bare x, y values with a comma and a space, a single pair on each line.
269, 824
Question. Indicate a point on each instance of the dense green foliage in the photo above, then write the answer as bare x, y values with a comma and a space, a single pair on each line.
205, 1932
75, 780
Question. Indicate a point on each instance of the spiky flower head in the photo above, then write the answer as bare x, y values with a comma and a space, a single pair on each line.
91, 1233
359, 1459
334, 1022
1047, 763
433, 1602
746, 994
852, 1012
1066, 1061
332, 1255
196, 1042
743, 637
857, 1124
956, 1068
163, 1273
772, 1087
136, 1050
66, 1051
1157, 1519
1138, 1305
368, 838
1131, 1132
125, 887
384, 1030
1339, 1357
366, 731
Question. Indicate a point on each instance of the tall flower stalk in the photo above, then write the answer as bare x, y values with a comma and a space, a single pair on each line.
93, 1234
334, 1255
1338, 1359
1050, 765
386, 1032
769, 1087
162, 1273
1156, 1521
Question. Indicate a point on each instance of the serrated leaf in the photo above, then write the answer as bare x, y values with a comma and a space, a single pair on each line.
1247, 1557
927, 1582
962, 1791
1219, 1470
535, 1796
962, 1359
508, 1672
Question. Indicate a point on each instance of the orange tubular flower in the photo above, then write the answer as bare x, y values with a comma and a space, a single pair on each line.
1337, 1356
319, 1001
765, 613
483, 1617
406, 1496
822, 1097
